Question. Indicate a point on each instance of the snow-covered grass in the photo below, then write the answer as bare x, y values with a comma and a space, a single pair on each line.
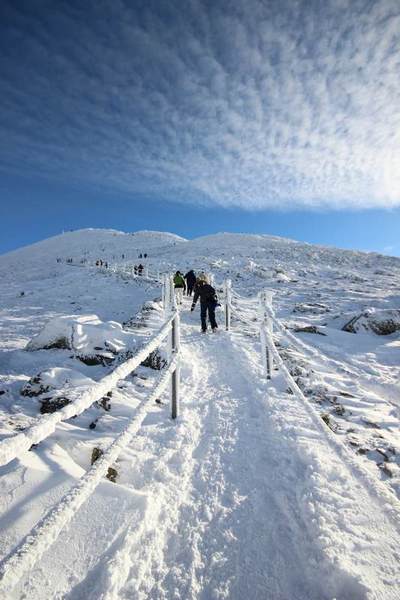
244, 495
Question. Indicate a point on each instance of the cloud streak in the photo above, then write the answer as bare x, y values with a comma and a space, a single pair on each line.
252, 104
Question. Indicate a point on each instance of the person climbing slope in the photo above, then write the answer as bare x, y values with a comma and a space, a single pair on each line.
190, 282
179, 286
208, 302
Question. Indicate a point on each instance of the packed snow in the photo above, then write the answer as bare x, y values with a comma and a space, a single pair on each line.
254, 491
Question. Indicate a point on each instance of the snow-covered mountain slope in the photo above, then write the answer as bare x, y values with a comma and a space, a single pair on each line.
88, 244
243, 496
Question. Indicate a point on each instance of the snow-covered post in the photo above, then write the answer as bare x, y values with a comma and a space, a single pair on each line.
270, 362
265, 324
167, 299
264, 348
227, 294
172, 293
175, 344
164, 294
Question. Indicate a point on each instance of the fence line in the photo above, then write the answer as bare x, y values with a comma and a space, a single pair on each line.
11, 447
30, 550
270, 354
45, 533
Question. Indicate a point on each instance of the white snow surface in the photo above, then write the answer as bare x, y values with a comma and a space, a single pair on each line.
246, 494
85, 334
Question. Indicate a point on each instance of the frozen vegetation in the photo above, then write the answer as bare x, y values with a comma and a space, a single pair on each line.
254, 491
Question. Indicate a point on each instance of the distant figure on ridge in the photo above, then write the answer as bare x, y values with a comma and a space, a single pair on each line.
190, 282
140, 269
179, 286
208, 302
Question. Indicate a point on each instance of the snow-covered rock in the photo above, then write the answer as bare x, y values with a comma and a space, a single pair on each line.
281, 277
379, 321
53, 387
314, 308
91, 339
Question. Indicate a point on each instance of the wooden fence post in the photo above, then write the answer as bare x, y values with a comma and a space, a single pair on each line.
175, 344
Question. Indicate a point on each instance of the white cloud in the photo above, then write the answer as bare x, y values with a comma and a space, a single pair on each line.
250, 104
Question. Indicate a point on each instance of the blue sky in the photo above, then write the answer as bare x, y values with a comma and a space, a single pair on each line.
277, 117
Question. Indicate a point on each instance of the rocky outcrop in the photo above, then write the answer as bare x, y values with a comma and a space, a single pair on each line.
308, 329
313, 308
379, 321
53, 388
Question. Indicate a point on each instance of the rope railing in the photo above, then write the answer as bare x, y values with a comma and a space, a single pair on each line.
270, 356
13, 446
30, 550
45, 533
379, 489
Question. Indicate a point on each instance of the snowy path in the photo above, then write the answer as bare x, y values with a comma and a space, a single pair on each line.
242, 497
237, 534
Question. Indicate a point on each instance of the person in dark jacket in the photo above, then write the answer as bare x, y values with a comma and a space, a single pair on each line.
190, 282
208, 302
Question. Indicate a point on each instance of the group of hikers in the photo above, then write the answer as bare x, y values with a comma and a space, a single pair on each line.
138, 269
102, 263
200, 288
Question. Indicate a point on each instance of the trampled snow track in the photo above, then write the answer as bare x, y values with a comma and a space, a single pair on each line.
261, 519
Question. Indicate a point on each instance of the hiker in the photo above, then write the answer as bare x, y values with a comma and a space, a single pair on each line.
179, 286
140, 269
144, 255
208, 302
135, 270
190, 282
